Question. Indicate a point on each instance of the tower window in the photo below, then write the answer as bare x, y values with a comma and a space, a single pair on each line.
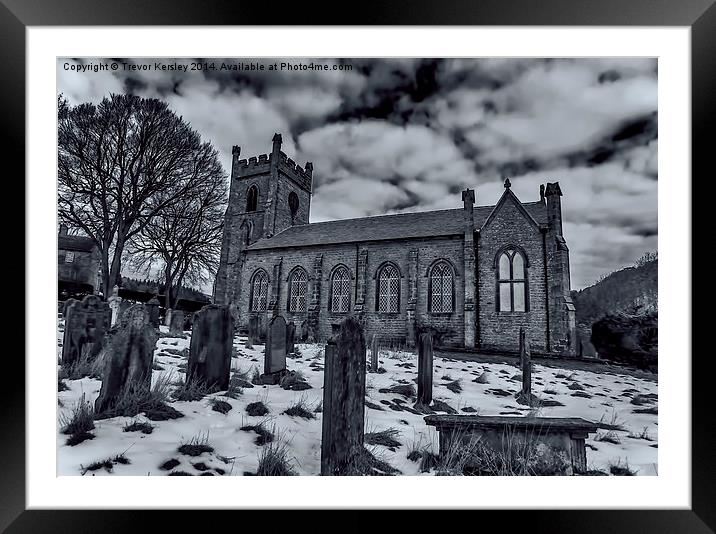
252, 198
511, 281
69, 256
293, 203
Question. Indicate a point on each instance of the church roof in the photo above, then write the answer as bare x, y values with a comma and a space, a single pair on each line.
75, 242
385, 227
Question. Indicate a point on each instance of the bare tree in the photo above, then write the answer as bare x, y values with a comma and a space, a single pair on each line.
120, 163
184, 239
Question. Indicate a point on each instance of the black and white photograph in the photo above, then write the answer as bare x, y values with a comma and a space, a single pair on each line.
357, 266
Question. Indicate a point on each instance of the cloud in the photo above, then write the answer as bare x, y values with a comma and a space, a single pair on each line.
408, 134
609, 215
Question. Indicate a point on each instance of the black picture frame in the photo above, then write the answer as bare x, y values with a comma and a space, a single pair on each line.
699, 15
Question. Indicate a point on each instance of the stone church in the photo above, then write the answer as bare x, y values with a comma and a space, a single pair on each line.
475, 274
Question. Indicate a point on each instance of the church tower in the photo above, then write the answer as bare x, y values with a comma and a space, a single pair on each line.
268, 194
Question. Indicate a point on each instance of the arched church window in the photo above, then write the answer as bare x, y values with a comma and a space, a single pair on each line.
440, 297
297, 290
259, 291
388, 289
293, 203
252, 198
340, 290
511, 281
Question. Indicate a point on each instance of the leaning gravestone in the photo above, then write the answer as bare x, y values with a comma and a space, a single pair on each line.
129, 357
343, 399
85, 325
525, 395
291, 337
275, 352
425, 371
210, 349
153, 308
176, 323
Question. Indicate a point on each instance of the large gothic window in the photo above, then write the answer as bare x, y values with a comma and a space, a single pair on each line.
388, 289
297, 290
340, 290
440, 298
252, 198
259, 291
511, 281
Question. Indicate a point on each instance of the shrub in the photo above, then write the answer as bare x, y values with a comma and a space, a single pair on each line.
644, 434
196, 446
169, 464
406, 390
256, 409
612, 424
363, 463
136, 426
86, 365
143, 398
628, 338
264, 434
220, 406
191, 389
107, 464
78, 424
300, 409
294, 381
384, 437
617, 469
274, 460
454, 386
608, 437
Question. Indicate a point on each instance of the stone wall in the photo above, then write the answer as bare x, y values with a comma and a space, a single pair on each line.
387, 325
82, 270
500, 330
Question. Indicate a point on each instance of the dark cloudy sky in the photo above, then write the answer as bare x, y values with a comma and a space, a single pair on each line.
394, 135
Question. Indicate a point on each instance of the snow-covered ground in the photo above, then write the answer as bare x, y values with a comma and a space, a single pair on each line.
603, 395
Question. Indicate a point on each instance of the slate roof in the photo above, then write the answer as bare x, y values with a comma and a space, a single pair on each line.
75, 242
385, 227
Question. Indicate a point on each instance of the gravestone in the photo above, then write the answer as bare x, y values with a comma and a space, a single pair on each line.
425, 371
153, 310
210, 349
86, 323
188, 321
253, 332
66, 306
129, 357
275, 352
168, 317
176, 322
115, 302
374, 354
291, 337
525, 395
343, 399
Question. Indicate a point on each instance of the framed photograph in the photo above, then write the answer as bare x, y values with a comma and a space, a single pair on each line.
410, 263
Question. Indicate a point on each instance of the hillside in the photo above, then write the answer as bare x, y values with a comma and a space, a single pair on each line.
621, 291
